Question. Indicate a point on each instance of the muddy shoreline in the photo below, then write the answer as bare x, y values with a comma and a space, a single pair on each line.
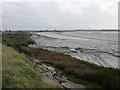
103, 53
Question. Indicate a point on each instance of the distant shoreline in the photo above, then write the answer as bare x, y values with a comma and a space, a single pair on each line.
70, 30
65, 30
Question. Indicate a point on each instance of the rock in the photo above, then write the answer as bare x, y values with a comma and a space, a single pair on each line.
31, 58
73, 50
61, 80
42, 68
49, 79
49, 74
37, 61
51, 69
64, 77
54, 72
58, 74
43, 65
53, 77
70, 84
45, 68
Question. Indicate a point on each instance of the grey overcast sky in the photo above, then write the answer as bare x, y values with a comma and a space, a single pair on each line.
67, 14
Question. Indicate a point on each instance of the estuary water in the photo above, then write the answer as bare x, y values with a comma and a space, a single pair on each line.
98, 47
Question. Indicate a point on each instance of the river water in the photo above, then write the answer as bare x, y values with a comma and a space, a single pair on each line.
98, 47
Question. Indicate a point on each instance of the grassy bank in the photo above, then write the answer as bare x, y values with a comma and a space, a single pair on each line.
78, 71
17, 71
16, 39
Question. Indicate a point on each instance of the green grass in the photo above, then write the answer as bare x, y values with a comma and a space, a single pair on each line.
17, 71
77, 71
16, 39
0, 65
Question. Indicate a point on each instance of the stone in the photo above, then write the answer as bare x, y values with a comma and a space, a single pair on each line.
73, 50
61, 80
70, 84
37, 61
43, 69
64, 77
49, 74
50, 80
54, 72
53, 77
51, 69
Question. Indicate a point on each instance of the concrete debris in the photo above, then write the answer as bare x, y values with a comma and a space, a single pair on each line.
53, 77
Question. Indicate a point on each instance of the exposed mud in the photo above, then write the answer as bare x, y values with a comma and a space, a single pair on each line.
100, 52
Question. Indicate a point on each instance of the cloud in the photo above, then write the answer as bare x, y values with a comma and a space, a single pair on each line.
82, 14
0, 16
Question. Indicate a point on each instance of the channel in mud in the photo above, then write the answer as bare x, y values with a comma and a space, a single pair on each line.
103, 51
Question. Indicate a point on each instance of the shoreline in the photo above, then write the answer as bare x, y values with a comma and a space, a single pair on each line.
77, 71
75, 51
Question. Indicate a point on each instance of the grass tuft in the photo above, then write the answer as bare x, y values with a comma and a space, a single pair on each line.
77, 70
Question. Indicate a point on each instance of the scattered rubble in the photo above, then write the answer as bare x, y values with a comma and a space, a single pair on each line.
51, 76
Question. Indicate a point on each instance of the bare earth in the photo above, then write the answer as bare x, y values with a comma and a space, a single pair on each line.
99, 47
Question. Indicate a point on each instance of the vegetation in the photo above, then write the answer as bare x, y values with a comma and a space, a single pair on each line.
16, 39
17, 71
78, 71
88, 74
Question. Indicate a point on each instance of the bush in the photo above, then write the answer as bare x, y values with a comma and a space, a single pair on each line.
80, 70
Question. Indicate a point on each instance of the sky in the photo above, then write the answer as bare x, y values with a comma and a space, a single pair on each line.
58, 14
